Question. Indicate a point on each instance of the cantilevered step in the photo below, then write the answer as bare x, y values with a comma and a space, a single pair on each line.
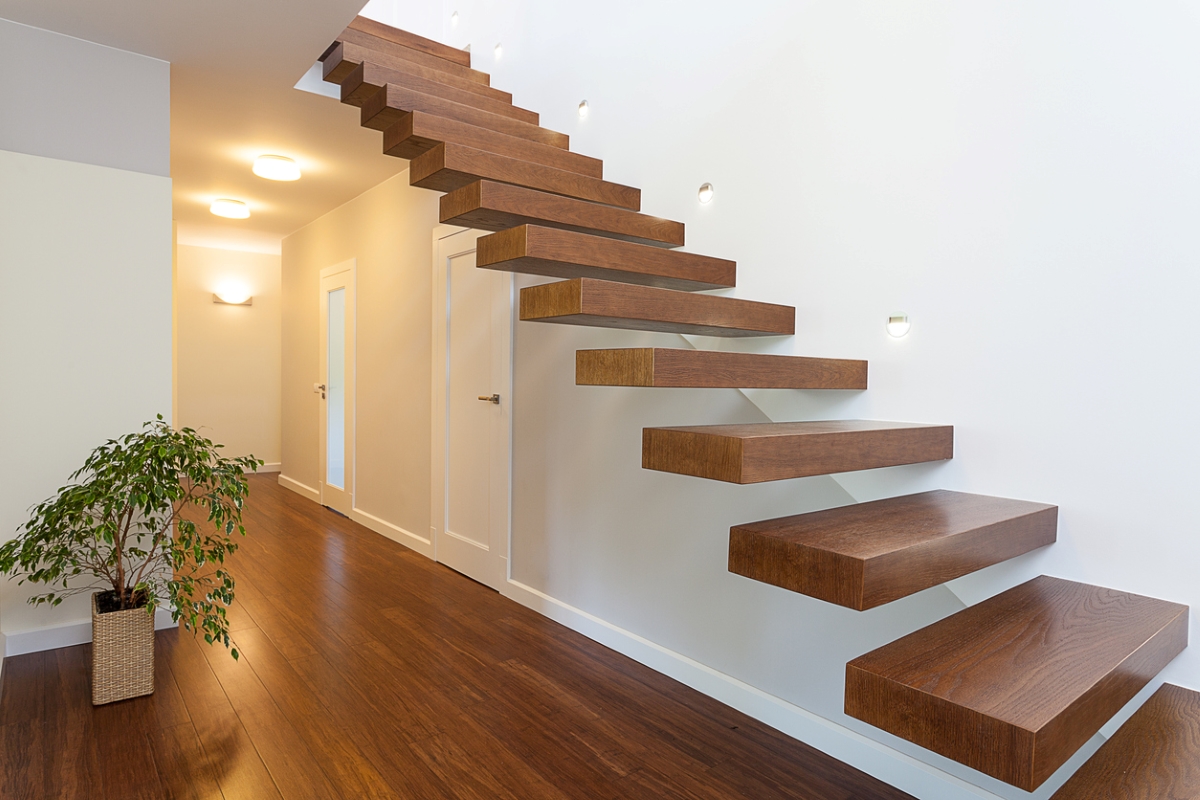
343, 57
773, 451
377, 44
417, 133
535, 250
1154, 756
493, 206
864, 555
389, 105
447, 167
411, 41
604, 304
1015, 685
366, 79
709, 369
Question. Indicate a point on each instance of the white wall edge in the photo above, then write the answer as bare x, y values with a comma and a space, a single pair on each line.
270, 467
299, 488
394, 532
52, 637
874, 758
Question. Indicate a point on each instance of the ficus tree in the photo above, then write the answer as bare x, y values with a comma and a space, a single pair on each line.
149, 518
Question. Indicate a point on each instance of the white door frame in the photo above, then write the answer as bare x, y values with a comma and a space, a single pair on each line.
502, 355
344, 501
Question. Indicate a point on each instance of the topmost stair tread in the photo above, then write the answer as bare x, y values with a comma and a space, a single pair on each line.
1154, 756
1015, 685
344, 57
378, 44
411, 40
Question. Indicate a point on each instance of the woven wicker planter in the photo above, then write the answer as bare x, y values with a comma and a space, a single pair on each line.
122, 654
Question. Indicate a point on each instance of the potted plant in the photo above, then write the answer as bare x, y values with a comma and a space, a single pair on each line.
149, 518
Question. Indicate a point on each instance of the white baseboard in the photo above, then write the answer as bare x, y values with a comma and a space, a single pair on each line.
394, 532
299, 488
18, 643
874, 758
270, 467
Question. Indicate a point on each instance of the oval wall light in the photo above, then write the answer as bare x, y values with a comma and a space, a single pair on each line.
230, 209
898, 325
583, 109
454, 20
498, 50
276, 168
705, 195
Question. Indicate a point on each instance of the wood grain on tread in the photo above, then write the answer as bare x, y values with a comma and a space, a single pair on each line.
558, 253
366, 79
447, 167
417, 132
584, 301
376, 44
411, 41
772, 451
492, 206
867, 554
1154, 756
344, 57
389, 105
1015, 685
665, 367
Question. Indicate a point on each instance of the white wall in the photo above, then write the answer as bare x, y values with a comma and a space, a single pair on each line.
229, 357
1021, 178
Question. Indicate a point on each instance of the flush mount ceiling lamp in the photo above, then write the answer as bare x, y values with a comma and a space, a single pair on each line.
230, 209
898, 325
705, 195
276, 168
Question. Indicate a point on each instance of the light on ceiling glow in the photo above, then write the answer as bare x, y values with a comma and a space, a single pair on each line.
583, 110
706, 192
454, 20
230, 209
276, 168
499, 51
898, 325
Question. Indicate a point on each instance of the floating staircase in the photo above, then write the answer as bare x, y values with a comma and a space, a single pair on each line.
1012, 686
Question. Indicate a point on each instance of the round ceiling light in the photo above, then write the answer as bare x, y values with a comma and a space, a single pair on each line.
276, 168
230, 209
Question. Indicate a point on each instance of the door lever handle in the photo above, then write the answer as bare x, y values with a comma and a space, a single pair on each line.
490, 398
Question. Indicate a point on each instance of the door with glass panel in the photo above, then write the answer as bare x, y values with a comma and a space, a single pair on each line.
336, 387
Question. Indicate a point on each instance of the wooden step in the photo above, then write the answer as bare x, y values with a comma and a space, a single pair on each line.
411, 41
376, 44
534, 250
665, 367
1015, 685
864, 555
389, 105
366, 79
604, 304
1154, 756
418, 132
493, 206
773, 451
344, 57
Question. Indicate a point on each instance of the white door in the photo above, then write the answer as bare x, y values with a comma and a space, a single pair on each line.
472, 384
336, 387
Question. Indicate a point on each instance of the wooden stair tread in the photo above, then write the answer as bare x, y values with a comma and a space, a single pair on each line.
772, 451
666, 367
559, 253
411, 41
344, 57
495, 206
1154, 756
584, 301
867, 554
418, 132
388, 106
449, 166
1015, 685
366, 79
377, 44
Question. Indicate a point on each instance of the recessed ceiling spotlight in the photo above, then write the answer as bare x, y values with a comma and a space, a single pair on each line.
898, 325
276, 168
230, 209
498, 50
454, 20
583, 110
705, 195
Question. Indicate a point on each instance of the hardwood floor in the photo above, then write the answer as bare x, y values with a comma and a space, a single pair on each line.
370, 672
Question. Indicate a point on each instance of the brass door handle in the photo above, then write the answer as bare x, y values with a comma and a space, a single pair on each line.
490, 398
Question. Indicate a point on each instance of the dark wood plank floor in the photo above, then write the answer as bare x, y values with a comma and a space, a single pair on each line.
370, 672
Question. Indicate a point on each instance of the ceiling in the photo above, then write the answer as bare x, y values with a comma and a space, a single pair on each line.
234, 64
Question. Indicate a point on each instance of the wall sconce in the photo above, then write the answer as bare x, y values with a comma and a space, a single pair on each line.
898, 325
705, 195
233, 295
498, 51
454, 20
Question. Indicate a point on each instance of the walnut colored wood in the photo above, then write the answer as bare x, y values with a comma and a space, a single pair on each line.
534, 250
366, 79
376, 44
663, 367
447, 167
411, 41
343, 57
772, 451
417, 133
1154, 756
389, 105
864, 555
1015, 685
604, 304
493, 206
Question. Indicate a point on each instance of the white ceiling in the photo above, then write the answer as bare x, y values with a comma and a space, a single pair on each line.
234, 64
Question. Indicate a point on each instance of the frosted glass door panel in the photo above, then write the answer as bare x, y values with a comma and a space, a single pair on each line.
335, 381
